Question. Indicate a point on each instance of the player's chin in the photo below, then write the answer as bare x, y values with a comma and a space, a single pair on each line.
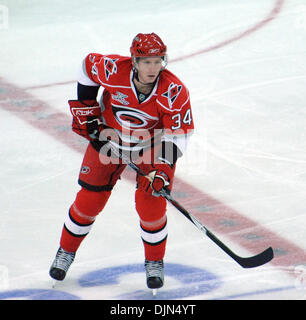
150, 79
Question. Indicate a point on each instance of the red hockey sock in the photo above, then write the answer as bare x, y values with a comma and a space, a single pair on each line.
82, 214
153, 223
154, 242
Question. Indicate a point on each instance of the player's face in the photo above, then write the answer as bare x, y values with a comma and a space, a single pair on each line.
149, 69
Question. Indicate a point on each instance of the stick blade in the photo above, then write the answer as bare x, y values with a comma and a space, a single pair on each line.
256, 261
249, 262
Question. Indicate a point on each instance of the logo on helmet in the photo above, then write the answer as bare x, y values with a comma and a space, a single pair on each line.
148, 44
153, 50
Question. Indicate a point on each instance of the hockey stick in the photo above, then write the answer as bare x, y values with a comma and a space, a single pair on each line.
249, 262
246, 262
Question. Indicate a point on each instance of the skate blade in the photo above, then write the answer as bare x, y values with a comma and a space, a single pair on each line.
54, 282
154, 292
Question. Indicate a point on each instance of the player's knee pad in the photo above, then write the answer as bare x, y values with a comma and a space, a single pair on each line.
81, 216
150, 209
88, 204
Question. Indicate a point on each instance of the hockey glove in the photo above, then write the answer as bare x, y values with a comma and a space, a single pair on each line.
86, 118
155, 180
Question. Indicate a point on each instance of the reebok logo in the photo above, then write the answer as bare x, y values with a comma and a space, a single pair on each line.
87, 112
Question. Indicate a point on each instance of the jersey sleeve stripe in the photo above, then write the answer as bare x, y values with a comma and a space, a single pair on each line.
83, 77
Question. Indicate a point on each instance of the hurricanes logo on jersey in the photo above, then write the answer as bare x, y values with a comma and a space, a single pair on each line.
110, 67
131, 118
172, 93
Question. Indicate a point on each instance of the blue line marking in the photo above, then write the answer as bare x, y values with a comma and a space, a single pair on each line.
37, 294
194, 281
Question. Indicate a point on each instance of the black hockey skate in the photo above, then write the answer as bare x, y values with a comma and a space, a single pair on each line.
61, 264
154, 273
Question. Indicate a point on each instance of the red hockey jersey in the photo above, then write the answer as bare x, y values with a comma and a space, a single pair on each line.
166, 111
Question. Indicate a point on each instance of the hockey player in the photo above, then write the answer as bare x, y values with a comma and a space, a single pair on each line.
145, 112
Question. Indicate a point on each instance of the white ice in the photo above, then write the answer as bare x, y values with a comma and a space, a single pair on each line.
248, 151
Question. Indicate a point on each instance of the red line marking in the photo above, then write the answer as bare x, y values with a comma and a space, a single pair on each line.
47, 85
220, 218
272, 14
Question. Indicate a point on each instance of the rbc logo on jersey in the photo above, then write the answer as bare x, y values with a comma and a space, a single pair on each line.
172, 93
110, 67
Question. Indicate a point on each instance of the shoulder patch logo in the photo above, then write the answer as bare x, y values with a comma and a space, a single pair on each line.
172, 93
92, 58
94, 70
120, 97
110, 67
